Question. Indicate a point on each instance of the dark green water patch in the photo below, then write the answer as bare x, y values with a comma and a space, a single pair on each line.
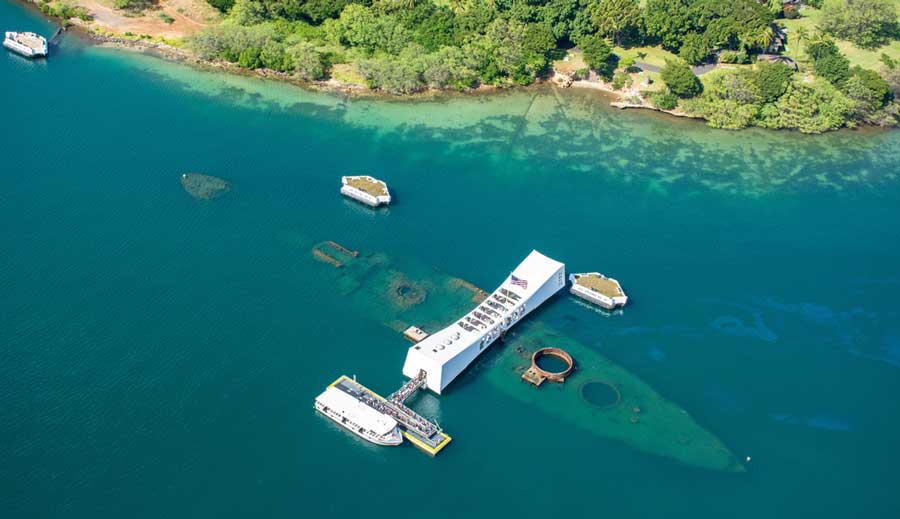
551, 363
600, 394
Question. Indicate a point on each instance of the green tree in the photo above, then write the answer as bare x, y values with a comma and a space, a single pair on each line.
735, 85
722, 113
868, 90
681, 80
668, 21
272, 56
308, 62
828, 62
694, 49
813, 107
249, 58
772, 80
617, 19
597, 53
664, 100
735, 23
867, 23
222, 5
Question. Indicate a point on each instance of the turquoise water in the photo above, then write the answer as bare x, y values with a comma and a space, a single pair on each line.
160, 354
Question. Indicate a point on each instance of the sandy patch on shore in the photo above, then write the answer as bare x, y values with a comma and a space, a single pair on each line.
190, 16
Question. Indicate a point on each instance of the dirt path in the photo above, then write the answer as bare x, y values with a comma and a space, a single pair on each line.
190, 16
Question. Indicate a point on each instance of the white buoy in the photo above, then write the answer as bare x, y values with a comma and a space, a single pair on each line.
748, 458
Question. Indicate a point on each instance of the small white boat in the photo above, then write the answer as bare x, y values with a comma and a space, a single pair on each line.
353, 414
598, 289
366, 189
27, 44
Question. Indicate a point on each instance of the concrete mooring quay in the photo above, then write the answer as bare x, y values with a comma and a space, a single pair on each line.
421, 432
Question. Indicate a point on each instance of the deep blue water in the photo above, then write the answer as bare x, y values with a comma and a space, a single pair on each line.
159, 354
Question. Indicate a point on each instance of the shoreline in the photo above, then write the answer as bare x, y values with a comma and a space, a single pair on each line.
152, 45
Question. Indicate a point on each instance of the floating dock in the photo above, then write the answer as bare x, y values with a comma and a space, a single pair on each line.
420, 431
27, 44
366, 189
598, 289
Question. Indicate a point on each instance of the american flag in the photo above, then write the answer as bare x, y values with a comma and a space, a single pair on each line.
518, 281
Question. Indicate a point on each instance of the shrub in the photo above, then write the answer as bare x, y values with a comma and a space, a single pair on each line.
222, 5
813, 108
723, 113
734, 56
868, 90
772, 80
82, 14
249, 58
308, 62
664, 100
695, 48
828, 62
132, 5
621, 79
597, 54
680, 79
166, 18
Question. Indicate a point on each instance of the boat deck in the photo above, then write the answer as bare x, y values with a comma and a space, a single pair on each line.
417, 429
374, 188
30, 41
605, 286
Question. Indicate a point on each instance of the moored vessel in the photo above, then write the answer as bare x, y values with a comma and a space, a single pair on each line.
366, 189
598, 289
350, 410
27, 44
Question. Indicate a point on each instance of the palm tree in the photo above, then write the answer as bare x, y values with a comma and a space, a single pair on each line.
801, 33
762, 38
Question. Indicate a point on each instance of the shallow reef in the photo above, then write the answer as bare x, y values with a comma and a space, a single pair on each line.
204, 187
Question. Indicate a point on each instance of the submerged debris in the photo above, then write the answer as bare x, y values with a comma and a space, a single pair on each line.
204, 187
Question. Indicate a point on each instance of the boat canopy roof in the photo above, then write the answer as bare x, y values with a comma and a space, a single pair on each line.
360, 413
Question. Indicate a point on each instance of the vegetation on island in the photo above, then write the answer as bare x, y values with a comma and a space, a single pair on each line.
404, 46
811, 65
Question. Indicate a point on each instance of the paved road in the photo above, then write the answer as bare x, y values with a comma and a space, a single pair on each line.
699, 69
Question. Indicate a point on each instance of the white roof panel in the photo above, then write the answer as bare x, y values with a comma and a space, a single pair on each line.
360, 413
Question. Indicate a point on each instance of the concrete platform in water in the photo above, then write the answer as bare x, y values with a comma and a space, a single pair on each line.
400, 292
366, 189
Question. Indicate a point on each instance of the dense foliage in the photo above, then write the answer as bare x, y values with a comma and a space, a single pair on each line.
867, 23
404, 46
408, 45
680, 79
771, 95
736, 24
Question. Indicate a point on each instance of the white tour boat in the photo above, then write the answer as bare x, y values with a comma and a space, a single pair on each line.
352, 413
28, 44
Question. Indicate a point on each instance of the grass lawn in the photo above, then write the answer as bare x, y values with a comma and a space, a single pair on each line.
810, 20
654, 55
572, 63
722, 69
347, 74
